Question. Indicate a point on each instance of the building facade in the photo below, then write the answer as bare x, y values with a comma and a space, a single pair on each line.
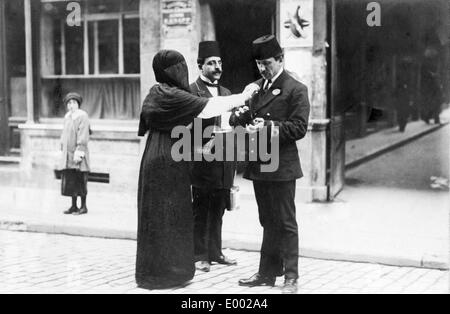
103, 49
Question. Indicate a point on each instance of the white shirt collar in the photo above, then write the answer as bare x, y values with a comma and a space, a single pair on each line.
204, 78
277, 75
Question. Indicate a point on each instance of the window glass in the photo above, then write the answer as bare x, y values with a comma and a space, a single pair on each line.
131, 46
74, 49
66, 52
63, 45
130, 5
102, 6
57, 47
108, 47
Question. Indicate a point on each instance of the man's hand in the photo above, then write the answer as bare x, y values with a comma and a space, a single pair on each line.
258, 124
241, 110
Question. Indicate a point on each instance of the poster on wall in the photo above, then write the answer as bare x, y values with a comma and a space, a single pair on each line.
177, 15
296, 19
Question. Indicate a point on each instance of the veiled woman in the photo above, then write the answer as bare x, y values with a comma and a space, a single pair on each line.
165, 252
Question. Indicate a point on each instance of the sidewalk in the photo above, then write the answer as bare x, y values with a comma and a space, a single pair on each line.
49, 263
361, 150
359, 226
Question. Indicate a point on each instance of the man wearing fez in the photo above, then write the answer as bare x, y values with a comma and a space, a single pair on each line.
281, 106
211, 180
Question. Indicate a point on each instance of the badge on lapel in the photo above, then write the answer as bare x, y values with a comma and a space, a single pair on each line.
276, 92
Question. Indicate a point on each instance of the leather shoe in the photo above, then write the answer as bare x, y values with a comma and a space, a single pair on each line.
225, 260
83, 210
258, 280
203, 266
71, 210
290, 286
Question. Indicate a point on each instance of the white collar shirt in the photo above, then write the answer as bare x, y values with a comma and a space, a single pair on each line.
273, 79
213, 90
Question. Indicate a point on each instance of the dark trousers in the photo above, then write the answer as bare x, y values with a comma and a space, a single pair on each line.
276, 207
209, 206
402, 114
431, 112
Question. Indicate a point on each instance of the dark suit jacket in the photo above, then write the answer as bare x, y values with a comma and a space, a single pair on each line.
215, 174
286, 104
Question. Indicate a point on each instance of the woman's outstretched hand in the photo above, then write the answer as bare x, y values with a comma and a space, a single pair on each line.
250, 90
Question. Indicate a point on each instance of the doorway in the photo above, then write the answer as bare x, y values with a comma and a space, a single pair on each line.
367, 66
237, 24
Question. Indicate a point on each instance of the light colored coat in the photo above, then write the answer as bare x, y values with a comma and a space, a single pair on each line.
75, 138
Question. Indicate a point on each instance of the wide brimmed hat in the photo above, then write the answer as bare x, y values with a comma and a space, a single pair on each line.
266, 47
75, 96
208, 49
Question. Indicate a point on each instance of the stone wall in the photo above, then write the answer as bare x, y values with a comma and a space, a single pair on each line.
113, 150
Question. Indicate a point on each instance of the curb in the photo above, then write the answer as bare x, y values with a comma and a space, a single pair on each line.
387, 148
9, 160
71, 230
426, 261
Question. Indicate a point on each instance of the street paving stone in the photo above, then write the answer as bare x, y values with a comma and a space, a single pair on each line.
49, 263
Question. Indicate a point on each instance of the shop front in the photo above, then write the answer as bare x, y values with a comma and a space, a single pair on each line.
106, 56
103, 49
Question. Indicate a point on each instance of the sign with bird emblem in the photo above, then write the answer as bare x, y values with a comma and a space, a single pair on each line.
296, 18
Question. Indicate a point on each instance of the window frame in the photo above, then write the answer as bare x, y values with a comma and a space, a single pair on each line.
95, 18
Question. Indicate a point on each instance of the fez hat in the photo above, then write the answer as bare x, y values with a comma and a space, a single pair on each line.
74, 96
266, 47
208, 49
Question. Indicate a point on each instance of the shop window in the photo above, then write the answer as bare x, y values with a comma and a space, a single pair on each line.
131, 48
101, 6
74, 49
101, 52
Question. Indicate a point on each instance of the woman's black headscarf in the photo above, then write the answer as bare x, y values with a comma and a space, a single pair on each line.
169, 103
170, 68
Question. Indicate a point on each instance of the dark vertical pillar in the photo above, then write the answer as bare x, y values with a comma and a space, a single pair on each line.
4, 108
36, 55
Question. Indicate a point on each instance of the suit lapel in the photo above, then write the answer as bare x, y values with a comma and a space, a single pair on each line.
203, 91
222, 91
267, 98
256, 100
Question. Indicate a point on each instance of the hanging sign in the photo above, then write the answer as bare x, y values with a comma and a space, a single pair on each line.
296, 23
176, 13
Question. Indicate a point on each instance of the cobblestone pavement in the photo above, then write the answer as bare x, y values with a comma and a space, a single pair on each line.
43, 263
